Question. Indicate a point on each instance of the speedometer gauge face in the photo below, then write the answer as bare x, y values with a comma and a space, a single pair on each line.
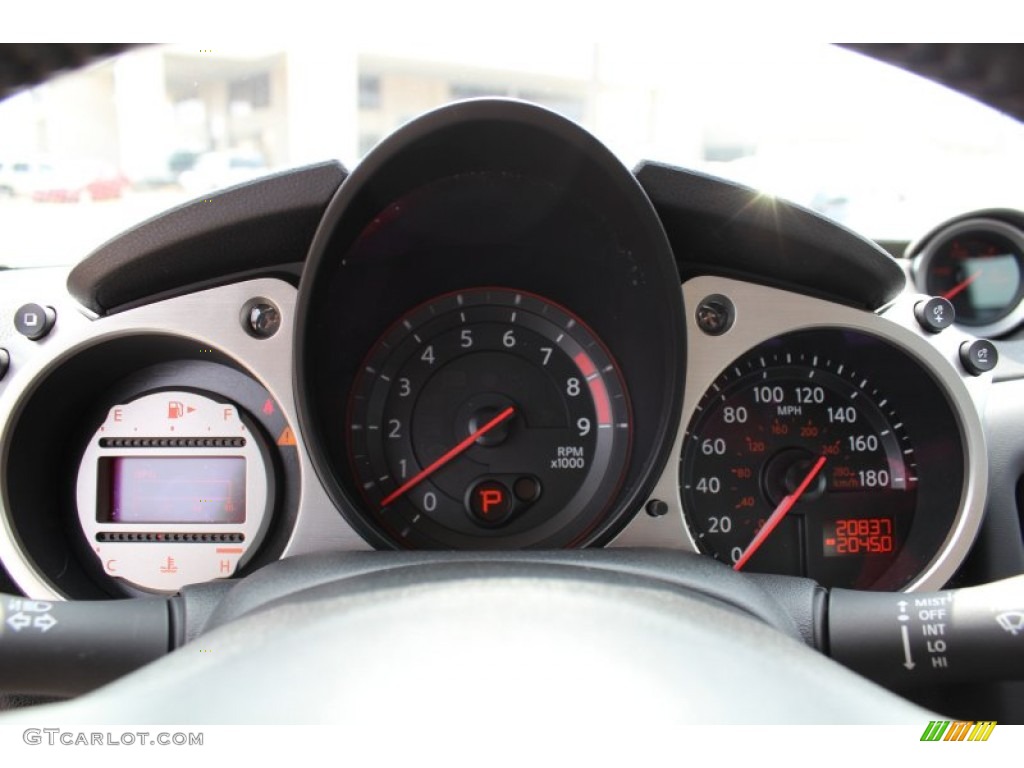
798, 461
488, 418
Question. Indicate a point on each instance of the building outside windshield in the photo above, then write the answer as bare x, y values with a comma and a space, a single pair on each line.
889, 155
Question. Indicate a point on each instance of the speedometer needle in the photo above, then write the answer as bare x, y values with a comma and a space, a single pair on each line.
423, 474
960, 286
780, 512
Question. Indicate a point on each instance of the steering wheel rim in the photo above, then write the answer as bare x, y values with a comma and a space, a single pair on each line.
524, 641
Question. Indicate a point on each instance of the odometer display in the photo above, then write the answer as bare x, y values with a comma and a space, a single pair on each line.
858, 536
488, 418
803, 428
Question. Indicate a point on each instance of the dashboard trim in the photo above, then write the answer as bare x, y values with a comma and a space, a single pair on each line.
203, 317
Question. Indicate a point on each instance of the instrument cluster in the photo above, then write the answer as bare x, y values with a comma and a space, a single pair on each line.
491, 347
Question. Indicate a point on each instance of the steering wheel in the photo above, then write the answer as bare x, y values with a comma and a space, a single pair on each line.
419, 645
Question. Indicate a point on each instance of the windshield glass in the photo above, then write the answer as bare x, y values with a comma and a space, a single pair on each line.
87, 155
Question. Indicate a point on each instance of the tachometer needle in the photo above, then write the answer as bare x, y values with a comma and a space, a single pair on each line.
423, 474
780, 512
948, 295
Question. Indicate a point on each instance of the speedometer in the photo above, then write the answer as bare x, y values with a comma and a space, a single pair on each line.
802, 458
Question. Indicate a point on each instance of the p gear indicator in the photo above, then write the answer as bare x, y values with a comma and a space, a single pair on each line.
488, 418
490, 502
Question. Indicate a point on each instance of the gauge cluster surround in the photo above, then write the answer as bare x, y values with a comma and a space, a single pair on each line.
488, 349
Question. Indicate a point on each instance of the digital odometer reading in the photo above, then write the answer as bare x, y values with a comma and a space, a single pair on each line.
858, 536
800, 442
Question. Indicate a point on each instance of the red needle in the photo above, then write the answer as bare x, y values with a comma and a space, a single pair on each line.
423, 474
780, 512
961, 285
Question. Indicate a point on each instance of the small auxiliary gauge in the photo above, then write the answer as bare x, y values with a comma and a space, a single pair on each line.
978, 265
174, 489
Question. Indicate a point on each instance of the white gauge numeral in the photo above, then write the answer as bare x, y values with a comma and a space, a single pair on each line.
572, 387
873, 478
769, 394
842, 414
428, 355
732, 415
466, 338
810, 395
863, 443
721, 524
714, 447
709, 485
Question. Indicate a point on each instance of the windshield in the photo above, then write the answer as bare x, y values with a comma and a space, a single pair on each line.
885, 153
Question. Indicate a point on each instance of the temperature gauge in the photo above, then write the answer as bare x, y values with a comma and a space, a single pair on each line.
174, 489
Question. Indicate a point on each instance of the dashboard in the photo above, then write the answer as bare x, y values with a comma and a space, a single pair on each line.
496, 337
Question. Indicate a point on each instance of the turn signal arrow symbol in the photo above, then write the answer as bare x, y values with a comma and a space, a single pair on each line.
19, 621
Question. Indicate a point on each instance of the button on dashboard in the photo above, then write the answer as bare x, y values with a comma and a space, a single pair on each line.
979, 356
34, 321
935, 314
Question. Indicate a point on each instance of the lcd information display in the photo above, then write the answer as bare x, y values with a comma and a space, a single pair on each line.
169, 490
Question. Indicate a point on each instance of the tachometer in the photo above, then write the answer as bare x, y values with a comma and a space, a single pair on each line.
797, 461
488, 418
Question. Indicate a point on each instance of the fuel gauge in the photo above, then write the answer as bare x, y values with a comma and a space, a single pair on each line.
175, 488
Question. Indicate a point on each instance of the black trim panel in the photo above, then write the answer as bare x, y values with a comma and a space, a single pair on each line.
255, 226
720, 228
